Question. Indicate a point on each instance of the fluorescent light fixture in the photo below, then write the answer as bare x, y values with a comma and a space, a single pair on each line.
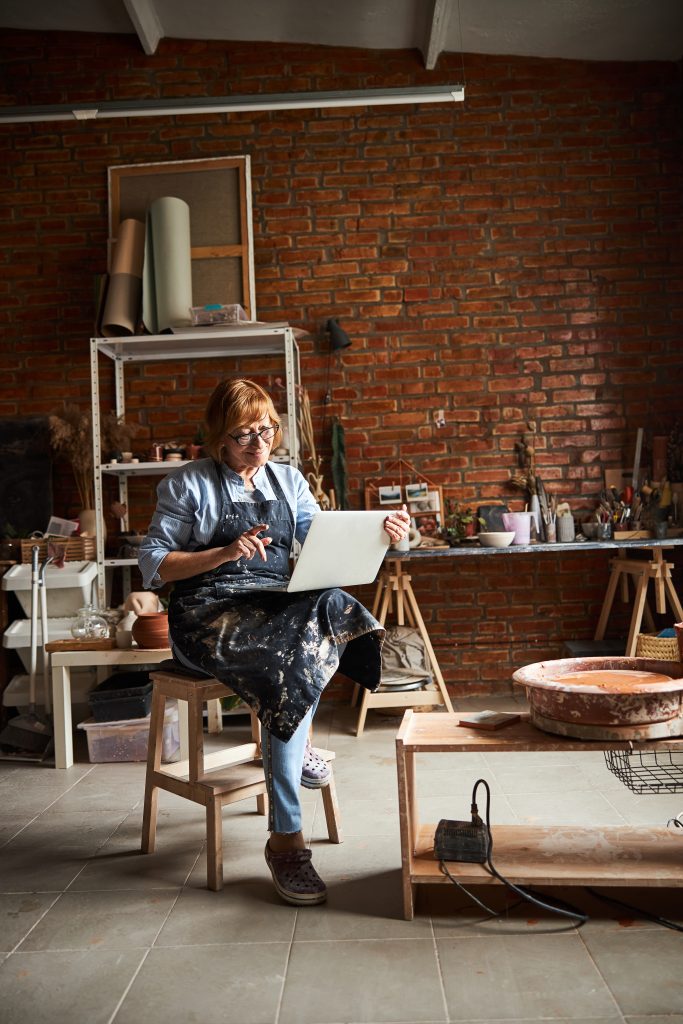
235, 104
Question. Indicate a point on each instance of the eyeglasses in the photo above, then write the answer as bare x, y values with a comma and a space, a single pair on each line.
264, 434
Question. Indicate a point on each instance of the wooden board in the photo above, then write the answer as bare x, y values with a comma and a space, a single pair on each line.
55, 646
439, 731
564, 855
218, 192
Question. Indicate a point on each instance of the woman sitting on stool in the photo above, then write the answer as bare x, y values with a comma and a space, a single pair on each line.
222, 530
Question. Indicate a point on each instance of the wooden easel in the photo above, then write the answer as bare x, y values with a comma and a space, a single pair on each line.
393, 581
654, 568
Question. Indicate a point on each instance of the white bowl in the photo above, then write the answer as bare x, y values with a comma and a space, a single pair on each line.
589, 530
497, 539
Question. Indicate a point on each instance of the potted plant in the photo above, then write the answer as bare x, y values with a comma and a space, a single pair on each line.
460, 522
196, 450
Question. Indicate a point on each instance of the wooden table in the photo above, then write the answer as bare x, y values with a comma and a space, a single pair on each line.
62, 663
394, 593
551, 855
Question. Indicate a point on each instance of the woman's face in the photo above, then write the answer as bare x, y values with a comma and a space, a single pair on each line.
247, 447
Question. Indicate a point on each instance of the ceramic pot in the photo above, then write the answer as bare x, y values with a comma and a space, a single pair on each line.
150, 631
87, 518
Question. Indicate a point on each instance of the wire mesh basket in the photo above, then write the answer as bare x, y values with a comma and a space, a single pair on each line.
653, 771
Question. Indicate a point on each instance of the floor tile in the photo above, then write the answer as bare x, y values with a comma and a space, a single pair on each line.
361, 982
52, 851
364, 901
247, 909
225, 984
522, 976
102, 920
65, 988
18, 914
643, 969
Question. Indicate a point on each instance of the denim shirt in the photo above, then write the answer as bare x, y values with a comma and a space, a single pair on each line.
189, 506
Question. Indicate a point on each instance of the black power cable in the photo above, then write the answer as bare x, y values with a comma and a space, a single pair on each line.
567, 910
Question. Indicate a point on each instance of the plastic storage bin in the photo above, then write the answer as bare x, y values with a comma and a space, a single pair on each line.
17, 637
122, 696
67, 589
128, 740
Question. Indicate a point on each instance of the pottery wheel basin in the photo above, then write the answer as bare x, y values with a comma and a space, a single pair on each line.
604, 691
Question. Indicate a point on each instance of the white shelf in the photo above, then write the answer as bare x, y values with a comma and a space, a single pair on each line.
227, 342
230, 342
143, 468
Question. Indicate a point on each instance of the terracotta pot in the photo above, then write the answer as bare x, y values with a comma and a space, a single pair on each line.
150, 631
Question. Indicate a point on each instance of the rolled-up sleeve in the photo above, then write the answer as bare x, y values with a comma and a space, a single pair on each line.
306, 507
171, 529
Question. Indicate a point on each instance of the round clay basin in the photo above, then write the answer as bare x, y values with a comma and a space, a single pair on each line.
615, 691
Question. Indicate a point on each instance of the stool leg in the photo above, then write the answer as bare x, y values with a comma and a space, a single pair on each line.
154, 748
329, 795
214, 845
195, 737
215, 714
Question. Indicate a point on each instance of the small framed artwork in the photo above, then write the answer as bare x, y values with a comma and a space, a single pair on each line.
417, 492
389, 494
429, 502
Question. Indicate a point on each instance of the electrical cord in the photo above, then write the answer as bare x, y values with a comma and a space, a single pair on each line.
567, 910
637, 910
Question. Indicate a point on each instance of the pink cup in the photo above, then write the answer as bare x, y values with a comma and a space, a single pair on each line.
520, 522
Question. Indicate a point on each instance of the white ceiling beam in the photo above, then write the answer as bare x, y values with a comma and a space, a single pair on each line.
146, 23
436, 32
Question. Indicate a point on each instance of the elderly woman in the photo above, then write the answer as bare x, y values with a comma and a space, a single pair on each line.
222, 531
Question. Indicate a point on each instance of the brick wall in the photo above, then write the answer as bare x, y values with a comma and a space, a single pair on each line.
517, 256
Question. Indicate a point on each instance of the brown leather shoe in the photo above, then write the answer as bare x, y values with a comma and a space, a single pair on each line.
294, 877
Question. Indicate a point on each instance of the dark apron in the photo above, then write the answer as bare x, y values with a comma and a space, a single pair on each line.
276, 650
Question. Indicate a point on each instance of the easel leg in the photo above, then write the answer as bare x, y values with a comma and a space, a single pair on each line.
615, 573
637, 616
419, 622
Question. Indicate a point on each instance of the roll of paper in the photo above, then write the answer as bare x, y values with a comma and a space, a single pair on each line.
122, 305
167, 275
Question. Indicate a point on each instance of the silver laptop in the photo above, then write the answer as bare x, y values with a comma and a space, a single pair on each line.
342, 549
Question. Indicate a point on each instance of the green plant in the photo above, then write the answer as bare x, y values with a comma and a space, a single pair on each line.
459, 521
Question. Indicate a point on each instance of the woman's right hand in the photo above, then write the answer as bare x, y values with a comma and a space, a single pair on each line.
248, 544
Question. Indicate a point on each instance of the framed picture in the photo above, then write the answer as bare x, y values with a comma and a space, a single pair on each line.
429, 503
389, 494
417, 492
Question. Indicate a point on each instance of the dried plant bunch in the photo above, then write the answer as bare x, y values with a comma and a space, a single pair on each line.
116, 433
71, 437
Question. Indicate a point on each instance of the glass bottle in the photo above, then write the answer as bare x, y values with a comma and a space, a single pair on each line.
89, 625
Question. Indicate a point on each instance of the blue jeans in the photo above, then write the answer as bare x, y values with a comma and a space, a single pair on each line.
282, 763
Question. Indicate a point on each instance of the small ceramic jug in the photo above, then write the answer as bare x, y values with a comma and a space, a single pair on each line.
565, 529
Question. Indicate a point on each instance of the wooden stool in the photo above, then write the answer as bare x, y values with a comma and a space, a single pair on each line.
222, 777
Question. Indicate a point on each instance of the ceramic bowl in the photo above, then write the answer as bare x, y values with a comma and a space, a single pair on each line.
497, 539
589, 530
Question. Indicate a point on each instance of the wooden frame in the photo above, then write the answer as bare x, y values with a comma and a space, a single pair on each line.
405, 478
218, 192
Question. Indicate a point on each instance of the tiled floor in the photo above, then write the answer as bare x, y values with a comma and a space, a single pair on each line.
92, 931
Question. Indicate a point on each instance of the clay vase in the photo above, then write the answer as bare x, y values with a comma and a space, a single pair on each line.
150, 631
87, 517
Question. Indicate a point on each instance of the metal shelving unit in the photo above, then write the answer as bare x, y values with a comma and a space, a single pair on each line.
225, 343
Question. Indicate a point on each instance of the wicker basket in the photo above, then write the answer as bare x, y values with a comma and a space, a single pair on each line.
76, 549
660, 648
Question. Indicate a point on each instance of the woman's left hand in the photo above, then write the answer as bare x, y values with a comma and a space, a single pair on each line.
397, 524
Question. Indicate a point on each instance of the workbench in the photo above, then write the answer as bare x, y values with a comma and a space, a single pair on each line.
551, 855
394, 594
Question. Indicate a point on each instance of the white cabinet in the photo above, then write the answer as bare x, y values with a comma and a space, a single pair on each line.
236, 342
